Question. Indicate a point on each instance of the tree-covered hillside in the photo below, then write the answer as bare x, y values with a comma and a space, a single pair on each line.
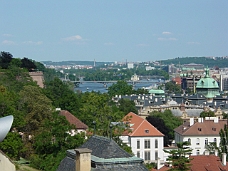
39, 134
207, 61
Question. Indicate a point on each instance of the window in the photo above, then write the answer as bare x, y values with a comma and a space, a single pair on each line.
197, 152
138, 144
147, 155
138, 154
156, 143
156, 155
206, 141
147, 144
215, 140
197, 141
146, 131
189, 140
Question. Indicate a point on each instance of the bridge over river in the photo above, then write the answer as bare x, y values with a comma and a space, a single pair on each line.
114, 81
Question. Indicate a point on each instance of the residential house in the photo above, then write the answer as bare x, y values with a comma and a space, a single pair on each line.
200, 133
79, 125
144, 139
100, 154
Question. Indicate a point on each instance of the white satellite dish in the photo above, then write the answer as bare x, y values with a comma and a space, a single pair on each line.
5, 125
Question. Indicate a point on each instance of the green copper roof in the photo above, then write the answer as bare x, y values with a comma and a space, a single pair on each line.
207, 82
156, 91
116, 160
207, 86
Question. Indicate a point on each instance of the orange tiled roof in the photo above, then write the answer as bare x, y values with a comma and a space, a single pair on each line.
140, 126
73, 120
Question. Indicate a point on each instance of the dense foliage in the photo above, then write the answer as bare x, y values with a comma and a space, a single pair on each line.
165, 122
210, 62
179, 158
171, 87
123, 88
39, 133
207, 114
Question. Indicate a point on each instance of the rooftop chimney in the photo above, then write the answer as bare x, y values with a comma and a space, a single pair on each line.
224, 159
83, 159
191, 121
159, 164
216, 120
207, 152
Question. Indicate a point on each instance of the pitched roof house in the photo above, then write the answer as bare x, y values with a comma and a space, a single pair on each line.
100, 154
200, 133
80, 126
144, 139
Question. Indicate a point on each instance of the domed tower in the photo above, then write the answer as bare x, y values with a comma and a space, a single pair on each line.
207, 86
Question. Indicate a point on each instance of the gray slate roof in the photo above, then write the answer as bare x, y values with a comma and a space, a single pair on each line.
106, 148
106, 156
190, 112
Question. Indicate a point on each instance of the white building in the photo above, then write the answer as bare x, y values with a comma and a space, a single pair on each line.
200, 133
148, 68
130, 65
144, 139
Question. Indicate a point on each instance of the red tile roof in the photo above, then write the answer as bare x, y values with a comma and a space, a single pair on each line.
177, 80
73, 120
140, 126
203, 163
207, 163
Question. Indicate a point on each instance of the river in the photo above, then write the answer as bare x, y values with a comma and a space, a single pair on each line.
98, 87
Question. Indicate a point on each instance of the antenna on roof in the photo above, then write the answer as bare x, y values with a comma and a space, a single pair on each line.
110, 126
94, 128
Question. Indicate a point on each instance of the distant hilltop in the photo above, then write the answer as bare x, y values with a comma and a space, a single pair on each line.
68, 63
220, 62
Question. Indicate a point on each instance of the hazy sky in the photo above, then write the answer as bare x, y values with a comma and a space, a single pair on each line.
113, 30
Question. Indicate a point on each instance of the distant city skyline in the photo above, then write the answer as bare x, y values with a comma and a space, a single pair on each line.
113, 30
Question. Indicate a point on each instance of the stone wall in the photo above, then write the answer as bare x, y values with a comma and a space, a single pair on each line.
5, 163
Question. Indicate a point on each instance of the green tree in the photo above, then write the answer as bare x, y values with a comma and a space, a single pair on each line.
52, 142
223, 133
62, 96
126, 106
12, 145
207, 114
28, 64
120, 88
170, 121
36, 106
179, 157
5, 59
172, 88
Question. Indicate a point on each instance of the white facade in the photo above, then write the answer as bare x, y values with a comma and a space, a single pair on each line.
147, 148
198, 143
130, 65
206, 132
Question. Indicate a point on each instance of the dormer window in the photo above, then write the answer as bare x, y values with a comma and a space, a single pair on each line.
214, 129
146, 130
199, 129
